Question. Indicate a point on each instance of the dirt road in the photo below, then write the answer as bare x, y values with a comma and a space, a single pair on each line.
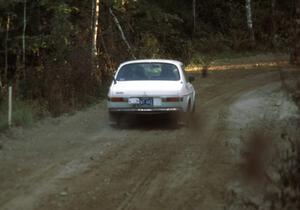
80, 162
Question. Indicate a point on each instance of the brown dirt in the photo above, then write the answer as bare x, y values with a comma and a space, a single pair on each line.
80, 162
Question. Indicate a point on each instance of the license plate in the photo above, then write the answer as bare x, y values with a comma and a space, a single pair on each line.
134, 101
146, 101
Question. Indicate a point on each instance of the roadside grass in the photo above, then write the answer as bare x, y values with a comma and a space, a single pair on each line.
236, 60
290, 82
226, 55
23, 114
93, 100
26, 113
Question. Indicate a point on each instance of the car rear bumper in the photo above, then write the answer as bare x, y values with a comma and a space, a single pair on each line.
146, 110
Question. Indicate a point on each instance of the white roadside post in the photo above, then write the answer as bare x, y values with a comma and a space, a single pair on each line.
9, 105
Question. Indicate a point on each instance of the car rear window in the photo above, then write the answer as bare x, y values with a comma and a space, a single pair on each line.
148, 71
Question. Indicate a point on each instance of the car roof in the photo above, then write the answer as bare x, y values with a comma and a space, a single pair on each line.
175, 62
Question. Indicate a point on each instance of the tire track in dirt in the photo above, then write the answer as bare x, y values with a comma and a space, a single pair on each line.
148, 181
148, 166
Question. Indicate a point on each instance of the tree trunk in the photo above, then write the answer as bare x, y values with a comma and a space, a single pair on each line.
250, 22
295, 42
24, 37
122, 33
273, 16
93, 14
0, 88
95, 29
95, 49
194, 16
6, 48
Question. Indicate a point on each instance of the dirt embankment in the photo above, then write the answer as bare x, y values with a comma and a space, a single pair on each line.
265, 140
79, 162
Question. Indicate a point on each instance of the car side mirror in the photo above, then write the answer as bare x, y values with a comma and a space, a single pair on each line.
191, 78
114, 80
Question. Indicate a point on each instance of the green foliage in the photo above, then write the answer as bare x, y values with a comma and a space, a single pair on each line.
23, 114
149, 46
59, 69
159, 34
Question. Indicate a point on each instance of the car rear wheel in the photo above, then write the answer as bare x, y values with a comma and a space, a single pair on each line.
194, 108
185, 118
114, 119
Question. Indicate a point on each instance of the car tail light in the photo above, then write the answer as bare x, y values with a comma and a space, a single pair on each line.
173, 99
118, 99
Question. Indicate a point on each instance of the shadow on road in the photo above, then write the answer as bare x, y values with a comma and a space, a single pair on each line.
148, 122
158, 122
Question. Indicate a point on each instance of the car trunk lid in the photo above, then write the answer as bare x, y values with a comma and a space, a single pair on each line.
146, 88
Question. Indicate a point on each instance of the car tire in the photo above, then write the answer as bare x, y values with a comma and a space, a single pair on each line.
194, 108
183, 118
114, 119
188, 115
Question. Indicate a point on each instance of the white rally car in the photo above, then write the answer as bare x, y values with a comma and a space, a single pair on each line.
150, 86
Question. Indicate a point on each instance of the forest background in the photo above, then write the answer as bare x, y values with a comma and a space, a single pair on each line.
59, 55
